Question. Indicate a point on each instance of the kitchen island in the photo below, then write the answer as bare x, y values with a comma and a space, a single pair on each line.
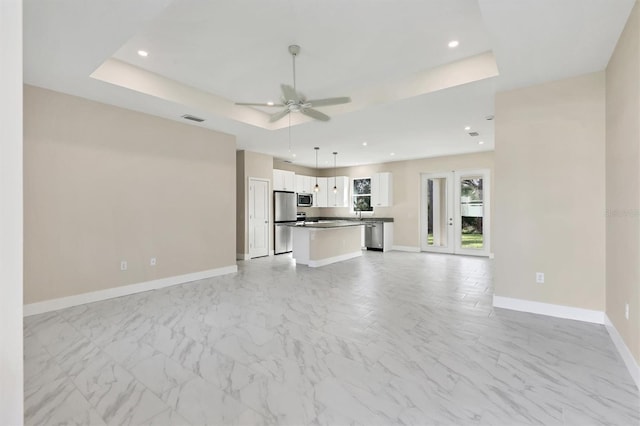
322, 243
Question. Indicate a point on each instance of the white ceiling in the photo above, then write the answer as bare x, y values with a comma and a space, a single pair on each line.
412, 95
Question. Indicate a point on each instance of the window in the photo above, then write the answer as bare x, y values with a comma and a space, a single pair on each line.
361, 195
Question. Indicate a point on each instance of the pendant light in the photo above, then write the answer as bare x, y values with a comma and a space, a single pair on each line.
316, 188
335, 178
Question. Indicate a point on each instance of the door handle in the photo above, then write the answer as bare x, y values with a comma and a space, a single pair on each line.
266, 221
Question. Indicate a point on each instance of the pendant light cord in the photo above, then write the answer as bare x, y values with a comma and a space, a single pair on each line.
289, 133
335, 173
316, 188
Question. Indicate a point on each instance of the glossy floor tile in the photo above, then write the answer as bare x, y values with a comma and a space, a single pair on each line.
385, 339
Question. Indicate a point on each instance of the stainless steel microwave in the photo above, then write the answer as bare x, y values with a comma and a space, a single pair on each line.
305, 200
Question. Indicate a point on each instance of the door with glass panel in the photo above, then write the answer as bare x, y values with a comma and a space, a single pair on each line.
471, 212
437, 213
455, 212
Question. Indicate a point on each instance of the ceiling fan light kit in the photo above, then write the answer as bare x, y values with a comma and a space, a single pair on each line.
294, 101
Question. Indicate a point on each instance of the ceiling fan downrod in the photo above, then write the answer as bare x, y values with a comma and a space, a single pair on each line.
294, 49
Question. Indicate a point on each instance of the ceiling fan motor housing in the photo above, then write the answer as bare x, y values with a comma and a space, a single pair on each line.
294, 49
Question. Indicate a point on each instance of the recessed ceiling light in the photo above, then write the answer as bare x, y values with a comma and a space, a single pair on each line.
293, 155
143, 53
480, 142
364, 144
392, 154
454, 43
270, 103
468, 128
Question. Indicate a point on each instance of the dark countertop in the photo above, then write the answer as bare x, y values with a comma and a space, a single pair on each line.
328, 224
351, 219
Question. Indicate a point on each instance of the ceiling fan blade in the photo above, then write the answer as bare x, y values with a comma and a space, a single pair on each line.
278, 115
258, 104
313, 113
289, 93
329, 101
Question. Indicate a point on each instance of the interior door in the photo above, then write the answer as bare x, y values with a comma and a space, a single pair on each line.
258, 217
437, 227
455, 212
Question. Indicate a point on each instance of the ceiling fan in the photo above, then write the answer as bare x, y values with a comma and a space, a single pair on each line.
294, 101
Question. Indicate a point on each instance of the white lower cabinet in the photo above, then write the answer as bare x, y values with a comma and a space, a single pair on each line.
388, 236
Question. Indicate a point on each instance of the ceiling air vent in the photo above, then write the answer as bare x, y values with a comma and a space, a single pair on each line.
193, 118
474, 134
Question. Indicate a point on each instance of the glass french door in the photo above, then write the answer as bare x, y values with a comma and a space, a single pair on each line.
455, 212
437, 213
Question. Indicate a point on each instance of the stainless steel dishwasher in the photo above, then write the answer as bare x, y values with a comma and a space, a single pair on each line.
374, 235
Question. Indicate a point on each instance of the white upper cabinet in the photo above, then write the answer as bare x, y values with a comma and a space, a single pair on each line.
382, 190
284, 180
341, 197
304, 185
320, 198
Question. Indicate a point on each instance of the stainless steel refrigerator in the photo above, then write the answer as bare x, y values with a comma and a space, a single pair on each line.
284, 203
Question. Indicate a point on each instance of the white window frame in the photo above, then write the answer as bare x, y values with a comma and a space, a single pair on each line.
352, 195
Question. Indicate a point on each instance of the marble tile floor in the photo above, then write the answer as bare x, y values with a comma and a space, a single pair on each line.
385, 339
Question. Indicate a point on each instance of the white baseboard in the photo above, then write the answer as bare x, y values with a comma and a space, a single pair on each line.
272, 252
242, 256
558, 311
623, 350
96, 296
406, 248
329, 260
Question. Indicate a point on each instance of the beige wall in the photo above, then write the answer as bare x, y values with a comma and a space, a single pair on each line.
550, 192
241, 206
623, 184
299, 170
104, 184
253, 165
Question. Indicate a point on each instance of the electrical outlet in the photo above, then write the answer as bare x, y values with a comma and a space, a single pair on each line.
123, 265
540, 277
626, 310
153, 261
